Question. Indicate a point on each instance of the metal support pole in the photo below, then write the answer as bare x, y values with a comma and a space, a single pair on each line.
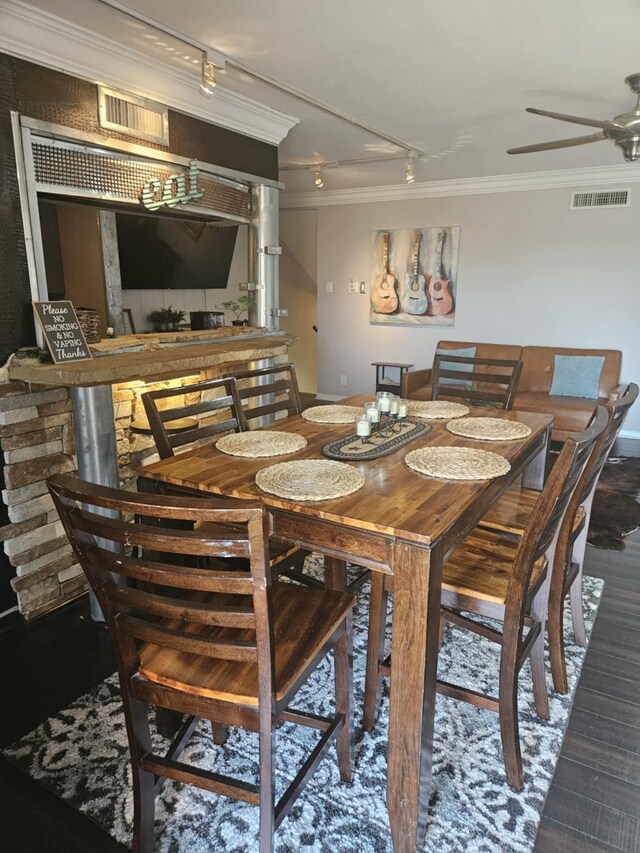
95, 435
264, 256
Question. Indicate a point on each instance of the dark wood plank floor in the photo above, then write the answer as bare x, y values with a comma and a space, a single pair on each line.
593, 804
594, 801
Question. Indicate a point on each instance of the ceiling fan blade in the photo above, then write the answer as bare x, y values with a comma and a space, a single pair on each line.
589, 122
558, 143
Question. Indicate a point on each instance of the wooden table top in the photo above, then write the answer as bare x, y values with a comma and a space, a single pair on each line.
395, 500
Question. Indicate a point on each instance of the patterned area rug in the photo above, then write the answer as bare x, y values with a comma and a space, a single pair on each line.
81, 755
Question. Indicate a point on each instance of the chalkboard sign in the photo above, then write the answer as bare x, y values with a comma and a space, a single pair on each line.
62, 332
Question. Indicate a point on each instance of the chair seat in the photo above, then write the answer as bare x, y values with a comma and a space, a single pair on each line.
481, 569
304, 621
511, 513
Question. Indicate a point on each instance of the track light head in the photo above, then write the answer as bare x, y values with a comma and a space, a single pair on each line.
408, 172
208, 81
317, 179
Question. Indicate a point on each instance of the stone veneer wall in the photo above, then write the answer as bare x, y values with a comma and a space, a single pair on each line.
36, 436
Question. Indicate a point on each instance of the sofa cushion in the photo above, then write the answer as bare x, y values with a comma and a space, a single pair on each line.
576, 376
537, 367
570, 414
466, 352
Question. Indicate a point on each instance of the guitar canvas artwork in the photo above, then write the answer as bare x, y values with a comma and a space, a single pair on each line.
414, 276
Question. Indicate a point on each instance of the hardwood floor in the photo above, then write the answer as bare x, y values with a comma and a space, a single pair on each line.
594, 801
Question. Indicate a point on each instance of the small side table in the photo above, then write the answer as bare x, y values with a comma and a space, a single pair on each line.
384, 382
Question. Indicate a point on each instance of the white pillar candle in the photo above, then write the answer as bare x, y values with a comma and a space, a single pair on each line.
363, 426
402, 408
384, 401
373, 413
393, 408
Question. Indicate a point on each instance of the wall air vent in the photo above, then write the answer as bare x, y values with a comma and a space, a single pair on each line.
611, 198
133, 116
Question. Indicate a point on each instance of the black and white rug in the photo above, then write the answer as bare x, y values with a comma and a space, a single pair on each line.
81, 755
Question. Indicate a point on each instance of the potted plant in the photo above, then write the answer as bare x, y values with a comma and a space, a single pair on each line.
238, 307
166, 319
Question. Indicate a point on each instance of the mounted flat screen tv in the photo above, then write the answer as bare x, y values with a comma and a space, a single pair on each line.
158, 253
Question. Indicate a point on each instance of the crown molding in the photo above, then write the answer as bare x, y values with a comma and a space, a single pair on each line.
45, 39
526, 181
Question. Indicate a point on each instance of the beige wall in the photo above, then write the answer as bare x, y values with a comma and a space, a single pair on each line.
299, 291
530, 272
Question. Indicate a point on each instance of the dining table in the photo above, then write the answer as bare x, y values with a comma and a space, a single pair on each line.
399, 522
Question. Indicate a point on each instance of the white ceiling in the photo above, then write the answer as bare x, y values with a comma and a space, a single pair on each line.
450, 78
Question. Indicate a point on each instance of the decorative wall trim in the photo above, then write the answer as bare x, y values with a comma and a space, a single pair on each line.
40, 37
526, 181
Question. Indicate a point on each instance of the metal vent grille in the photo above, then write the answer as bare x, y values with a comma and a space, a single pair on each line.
611, 198
133, 116
68, 169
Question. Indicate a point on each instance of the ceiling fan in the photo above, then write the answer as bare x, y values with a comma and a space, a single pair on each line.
623, 130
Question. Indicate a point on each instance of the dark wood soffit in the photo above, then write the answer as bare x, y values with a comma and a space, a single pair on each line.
59, 98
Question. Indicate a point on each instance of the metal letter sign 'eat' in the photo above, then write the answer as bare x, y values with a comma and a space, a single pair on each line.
174, 190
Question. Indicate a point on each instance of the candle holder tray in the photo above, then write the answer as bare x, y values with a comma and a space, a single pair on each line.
353, 447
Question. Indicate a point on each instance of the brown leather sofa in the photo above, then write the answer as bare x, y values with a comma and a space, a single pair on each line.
570, 414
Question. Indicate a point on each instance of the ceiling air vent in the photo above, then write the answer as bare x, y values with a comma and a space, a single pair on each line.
133, 116
611, 198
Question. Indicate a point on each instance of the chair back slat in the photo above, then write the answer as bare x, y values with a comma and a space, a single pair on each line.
475, 380
140, 570
272, 390
166, 539
215, 612
202, 612
204, 404
180, 640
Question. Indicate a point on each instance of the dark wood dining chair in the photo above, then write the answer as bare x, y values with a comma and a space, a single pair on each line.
216, 406
510, 515
491, 576
271, 390
475, 381
219, 645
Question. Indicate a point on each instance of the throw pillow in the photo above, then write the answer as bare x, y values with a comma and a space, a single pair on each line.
576, 376
463, 352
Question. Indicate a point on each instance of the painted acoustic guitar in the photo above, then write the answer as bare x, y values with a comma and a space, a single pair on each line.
384, 297
439, 288
414, 297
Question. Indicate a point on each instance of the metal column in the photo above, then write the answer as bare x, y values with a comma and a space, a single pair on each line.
95, 435
264, 266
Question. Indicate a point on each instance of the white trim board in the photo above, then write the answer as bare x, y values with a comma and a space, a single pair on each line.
45, 39
619, 176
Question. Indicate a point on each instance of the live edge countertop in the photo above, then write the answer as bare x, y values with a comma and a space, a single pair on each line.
154, 356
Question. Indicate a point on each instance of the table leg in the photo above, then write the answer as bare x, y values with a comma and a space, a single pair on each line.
533, 476
416, 616
335, 574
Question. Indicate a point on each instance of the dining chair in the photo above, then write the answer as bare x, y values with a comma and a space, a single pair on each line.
216, 406
225, 646
477, 381
266, 391
510, 515
491, 576
273, 390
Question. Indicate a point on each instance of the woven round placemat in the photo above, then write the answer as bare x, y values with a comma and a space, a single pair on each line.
435, 409
266, 442
310, 480
331, 414
489, 429
457, 463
